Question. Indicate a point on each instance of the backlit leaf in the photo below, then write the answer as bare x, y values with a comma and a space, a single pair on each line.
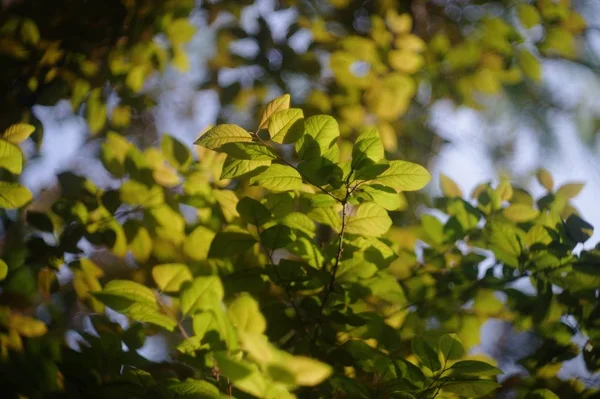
278, 178
203, 293
13, 195
286, 126
223, 134
11, 157
404, 176
370, 220
277, 104
18, 133
170, 277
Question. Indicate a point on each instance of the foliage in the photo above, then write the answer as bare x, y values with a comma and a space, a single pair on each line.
277, 260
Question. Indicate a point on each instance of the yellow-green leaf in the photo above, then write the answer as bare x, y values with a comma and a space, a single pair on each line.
278, 178
203, 293
528, 15
245, 315
449, 187
369, 220
3, 270
277, 104
13, 195
27, 326
169, 277
404, 176
223, 134
520, 213
286, 126
11, 157
18, 133
545, 179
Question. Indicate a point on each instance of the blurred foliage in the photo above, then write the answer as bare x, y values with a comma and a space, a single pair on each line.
275, 259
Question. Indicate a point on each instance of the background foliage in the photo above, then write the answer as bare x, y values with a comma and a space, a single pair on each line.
284, 254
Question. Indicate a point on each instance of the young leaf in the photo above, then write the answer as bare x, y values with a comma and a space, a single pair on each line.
18, 133
13, 195
541, 394
404, 176
286, 126
243, 375
451, 347
204, 293
245, 315
301, 222
223, 134
278, 178
370, 220
170, 277
277, 104
11, 157
322, 201
427, 356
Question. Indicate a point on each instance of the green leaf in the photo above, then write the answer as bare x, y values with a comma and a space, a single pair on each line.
307, 371
322, 201
139, 241
532, 69
245, 315
505, 243
451, 347
327, 216
169, 277
253, 212
570, 190
404, 176
135, 193
277, 104
528, 15
449, 187
520, 213
433, 228
578, 229
470, 388
474, 368
301, 222
40, 221
249, 151
244, 376
278, 178
197, 244
18, 133
280, 204
13, 195
277, 236
11, 157
238, 167
286, 126
321, 134
227, 201
204, 293
425, 353
193, 389
27, 326
3, 270
354, 269
230, 243
541, 394
369, 220
223, 134
136, 301
368, 149
176, 153
387, 197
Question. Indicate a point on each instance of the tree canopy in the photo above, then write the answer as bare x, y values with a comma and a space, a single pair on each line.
291, 250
